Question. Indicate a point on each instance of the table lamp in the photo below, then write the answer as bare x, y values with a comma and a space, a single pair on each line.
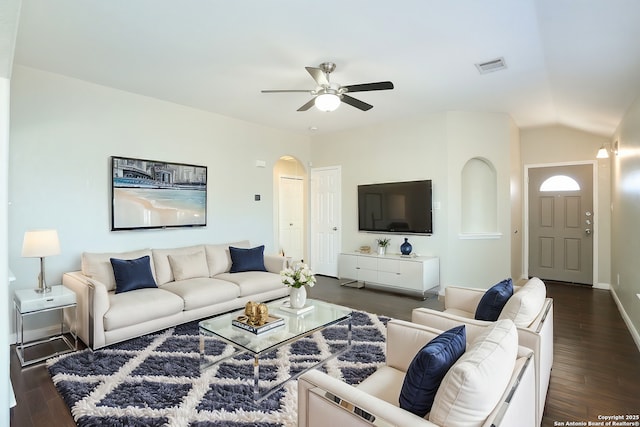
41, 244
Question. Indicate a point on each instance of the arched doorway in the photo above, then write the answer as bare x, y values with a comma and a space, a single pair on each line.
290, 180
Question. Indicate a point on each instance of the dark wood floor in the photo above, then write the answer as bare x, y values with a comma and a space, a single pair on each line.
596, 362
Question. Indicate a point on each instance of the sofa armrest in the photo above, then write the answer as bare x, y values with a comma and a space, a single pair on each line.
324, 400
517, 405
274, 263
92, 304
460, 298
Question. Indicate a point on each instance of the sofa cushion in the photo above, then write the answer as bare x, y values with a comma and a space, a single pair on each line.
189, 266
428, 368
253, 282
132, 274
385, 383
472, 388
164, 274
98, 265
139, 306
493, 301
219, 258
525, 304
247, 259
200, 292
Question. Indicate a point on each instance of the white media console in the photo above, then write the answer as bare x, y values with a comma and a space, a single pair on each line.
408, 274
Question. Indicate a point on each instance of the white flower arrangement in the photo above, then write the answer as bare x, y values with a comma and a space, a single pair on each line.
298, 276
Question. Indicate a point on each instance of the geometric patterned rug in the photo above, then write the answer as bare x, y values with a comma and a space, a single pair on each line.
155, 380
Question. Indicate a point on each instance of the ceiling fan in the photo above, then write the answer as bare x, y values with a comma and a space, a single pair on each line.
327, 96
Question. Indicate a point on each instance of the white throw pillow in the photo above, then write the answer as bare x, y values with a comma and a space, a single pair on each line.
472, 388
525, 304
189, 266
164, 273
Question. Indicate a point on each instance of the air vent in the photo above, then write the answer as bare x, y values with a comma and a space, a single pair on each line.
490, 66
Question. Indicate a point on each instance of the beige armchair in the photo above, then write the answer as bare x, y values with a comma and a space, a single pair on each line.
498, 390
532, 314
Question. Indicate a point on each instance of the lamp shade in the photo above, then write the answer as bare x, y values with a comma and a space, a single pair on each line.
40, 243
327, 102
602, 153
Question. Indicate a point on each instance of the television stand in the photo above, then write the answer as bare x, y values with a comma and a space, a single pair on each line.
414, 275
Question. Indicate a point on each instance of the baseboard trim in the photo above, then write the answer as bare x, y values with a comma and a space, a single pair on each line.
634, 332
605, 286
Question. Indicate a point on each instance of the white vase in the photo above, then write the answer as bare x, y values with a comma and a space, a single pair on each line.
382, 250
298, 297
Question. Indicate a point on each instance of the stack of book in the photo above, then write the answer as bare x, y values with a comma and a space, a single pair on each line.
271, 323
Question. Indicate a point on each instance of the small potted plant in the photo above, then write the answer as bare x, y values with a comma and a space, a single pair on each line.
382, 245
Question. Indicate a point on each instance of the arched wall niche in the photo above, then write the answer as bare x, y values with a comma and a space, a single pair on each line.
479, 205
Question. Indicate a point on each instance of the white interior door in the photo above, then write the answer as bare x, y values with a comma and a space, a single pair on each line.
291, 216
561, 223
325, 220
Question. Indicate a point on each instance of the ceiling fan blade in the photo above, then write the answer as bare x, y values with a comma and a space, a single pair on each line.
318, 75
356, 103
308, 105
369, 86
284, 90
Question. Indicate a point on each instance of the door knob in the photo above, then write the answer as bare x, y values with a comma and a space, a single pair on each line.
335, 228
588, 231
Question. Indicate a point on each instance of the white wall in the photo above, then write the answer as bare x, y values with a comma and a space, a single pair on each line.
432, 146
5, 325
63, 132
9, 13
484, 260
625, 225
516, 188
560, 144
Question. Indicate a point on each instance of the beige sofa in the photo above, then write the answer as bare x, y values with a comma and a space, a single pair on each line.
193, 282
491, 384
528, 308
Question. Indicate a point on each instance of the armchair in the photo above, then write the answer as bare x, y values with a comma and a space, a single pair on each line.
324, 400
531, 312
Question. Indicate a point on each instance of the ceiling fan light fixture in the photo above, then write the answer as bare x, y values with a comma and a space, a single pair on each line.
327, 102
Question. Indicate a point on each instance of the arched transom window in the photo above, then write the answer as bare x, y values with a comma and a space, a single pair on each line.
560, 183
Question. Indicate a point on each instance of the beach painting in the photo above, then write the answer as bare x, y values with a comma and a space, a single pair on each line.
155, 194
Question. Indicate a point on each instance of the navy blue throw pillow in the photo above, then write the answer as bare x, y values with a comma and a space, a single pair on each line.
493, 301
132, 274
428, 368
247, 259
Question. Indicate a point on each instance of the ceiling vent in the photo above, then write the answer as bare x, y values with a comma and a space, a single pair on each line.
490, 66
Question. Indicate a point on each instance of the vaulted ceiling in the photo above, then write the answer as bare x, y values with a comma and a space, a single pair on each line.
569, 62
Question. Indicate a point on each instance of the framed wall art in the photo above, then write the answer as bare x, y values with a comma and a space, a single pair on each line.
148, 194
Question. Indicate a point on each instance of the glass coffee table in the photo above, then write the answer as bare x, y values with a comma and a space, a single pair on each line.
322, 315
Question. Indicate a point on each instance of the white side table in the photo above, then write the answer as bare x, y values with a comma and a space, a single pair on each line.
28, 302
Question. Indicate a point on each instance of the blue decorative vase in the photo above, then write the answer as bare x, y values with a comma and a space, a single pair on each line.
406, 247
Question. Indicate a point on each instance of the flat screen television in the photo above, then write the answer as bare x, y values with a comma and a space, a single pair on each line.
396, 207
